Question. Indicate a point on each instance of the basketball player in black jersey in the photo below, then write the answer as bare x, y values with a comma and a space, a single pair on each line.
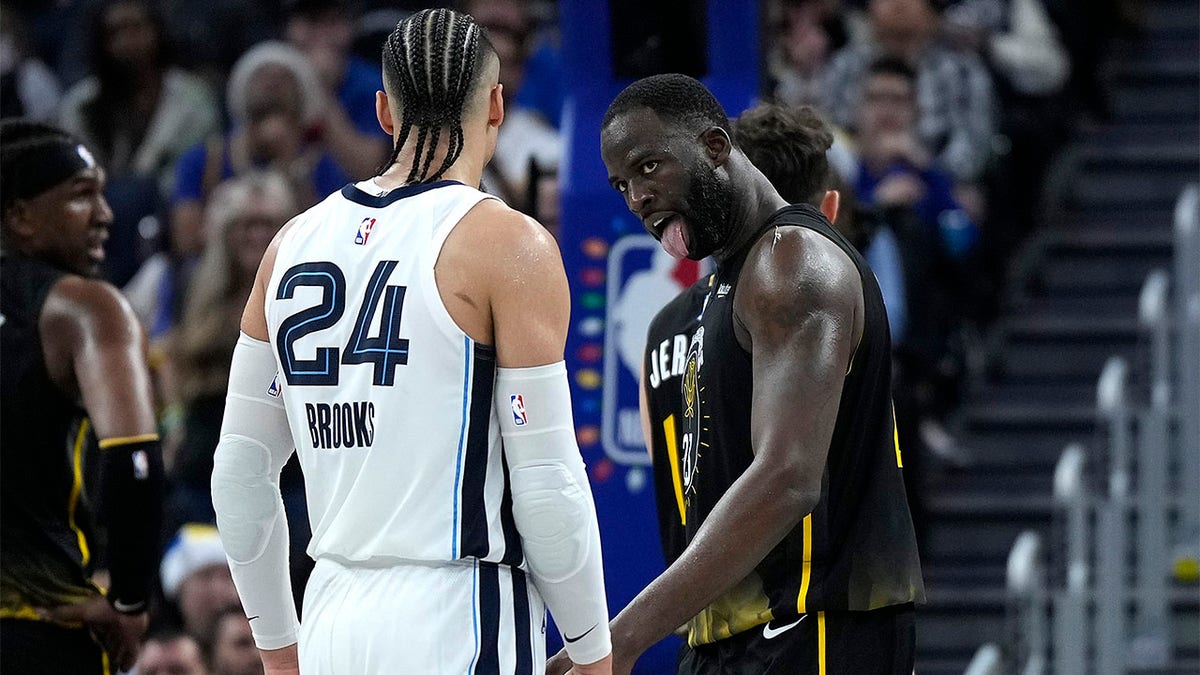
74, 371
772, 402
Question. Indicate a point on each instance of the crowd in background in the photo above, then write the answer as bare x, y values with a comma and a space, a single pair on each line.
218, 121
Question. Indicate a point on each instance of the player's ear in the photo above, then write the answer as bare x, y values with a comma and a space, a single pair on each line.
383, 113
496, 105
717, 144
18, 219
830, 203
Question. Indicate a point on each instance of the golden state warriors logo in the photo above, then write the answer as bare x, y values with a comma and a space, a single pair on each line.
692, 398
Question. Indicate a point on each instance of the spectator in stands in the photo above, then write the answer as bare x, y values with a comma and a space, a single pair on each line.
543, 87
808, 30
324, 31
138, 111
28, 87
914, 196
170, 652
896, 169
232, 651
954, 91
528, 149
196, 579
243, 216
1029, 66
210, 36
275, 101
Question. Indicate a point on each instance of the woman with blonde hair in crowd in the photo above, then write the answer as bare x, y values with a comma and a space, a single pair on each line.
241, 219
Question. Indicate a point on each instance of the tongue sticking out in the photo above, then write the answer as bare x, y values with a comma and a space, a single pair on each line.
673, 241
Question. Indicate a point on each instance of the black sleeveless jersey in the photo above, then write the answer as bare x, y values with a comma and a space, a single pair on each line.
857, 550
45, 529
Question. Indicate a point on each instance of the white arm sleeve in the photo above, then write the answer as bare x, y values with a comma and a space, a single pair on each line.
255, 444
552, 504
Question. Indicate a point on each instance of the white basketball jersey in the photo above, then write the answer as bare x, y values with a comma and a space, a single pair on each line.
389, 402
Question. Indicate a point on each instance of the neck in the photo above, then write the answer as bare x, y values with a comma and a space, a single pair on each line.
467, 169
752, 206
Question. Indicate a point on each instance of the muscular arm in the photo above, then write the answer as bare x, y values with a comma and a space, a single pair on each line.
799, 312
95, 346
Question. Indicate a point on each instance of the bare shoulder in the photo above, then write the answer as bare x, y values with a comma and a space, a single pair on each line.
501, 231
78, 305
268, 259
793, 272
497, 244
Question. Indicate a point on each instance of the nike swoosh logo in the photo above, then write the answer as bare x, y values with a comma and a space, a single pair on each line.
252, 618
769, 632
570, 639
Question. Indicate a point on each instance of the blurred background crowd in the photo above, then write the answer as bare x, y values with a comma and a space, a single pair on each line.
218, 121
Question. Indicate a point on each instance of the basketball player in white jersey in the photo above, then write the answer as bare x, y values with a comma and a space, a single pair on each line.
397, 333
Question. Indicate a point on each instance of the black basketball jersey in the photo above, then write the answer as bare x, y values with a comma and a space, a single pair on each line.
46, 529
857, 550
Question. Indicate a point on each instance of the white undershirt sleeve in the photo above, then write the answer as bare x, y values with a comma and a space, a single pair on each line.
552, 505
255, 443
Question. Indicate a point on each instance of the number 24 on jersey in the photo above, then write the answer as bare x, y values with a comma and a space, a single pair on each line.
385, 351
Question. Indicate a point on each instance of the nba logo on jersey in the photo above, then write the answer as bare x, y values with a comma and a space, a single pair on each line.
274, 390
518, 410
364, 231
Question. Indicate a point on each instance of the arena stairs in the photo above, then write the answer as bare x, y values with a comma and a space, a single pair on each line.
1072, 303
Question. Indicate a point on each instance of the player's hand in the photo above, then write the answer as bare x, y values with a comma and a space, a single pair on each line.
559, 664
602, 667
120, 634
285, 661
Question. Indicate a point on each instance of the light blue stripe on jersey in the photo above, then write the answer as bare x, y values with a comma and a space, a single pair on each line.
462, 437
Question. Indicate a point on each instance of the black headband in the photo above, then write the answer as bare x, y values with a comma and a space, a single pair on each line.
44, 166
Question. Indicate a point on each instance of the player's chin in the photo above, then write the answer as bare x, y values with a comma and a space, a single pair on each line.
89, 267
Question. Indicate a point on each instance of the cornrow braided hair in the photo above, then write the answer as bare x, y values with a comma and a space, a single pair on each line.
431, 61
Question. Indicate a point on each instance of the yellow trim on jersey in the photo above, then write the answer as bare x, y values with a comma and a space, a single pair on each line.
25, 612
820, 643
806, 567
104, 662
896, 437
673, 456
126, 440
76, 489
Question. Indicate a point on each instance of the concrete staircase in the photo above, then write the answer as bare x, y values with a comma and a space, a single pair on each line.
1072, 304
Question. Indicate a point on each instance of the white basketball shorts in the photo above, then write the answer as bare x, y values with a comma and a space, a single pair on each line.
463, 617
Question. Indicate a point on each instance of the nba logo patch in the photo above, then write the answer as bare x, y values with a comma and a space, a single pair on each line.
518, 410
274, 390
364, 231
